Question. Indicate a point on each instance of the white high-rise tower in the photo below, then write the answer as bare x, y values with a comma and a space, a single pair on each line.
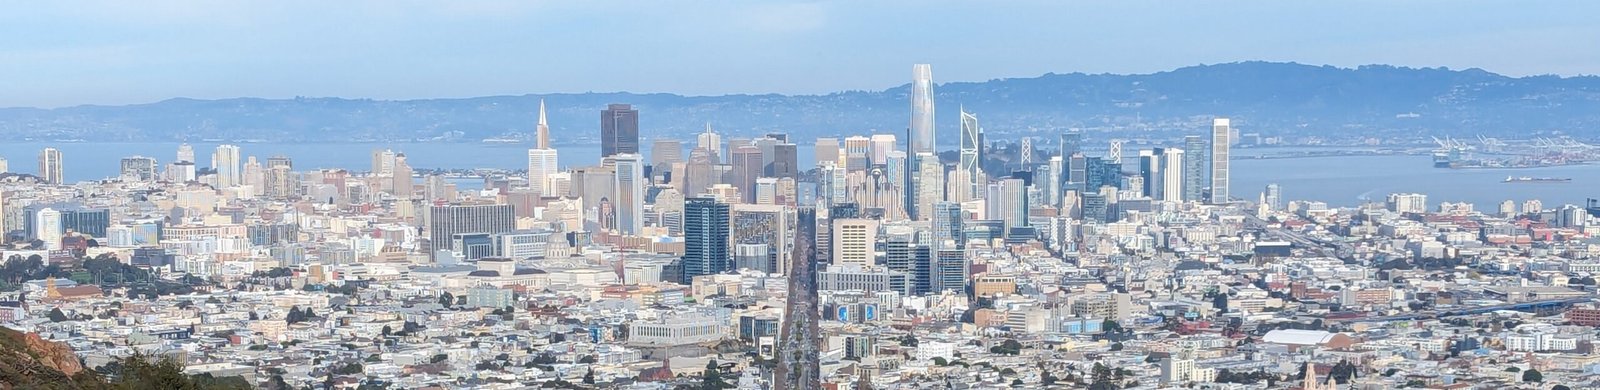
185, 153
47, 228
1220, 137
922, 140
542, 160
969, 165
50, 166
226, 161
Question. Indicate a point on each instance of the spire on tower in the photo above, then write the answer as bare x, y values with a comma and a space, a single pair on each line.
543, 141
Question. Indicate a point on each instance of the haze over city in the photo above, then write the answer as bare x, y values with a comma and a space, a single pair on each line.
799, 195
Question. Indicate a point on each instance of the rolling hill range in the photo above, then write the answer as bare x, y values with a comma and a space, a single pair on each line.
1264, 97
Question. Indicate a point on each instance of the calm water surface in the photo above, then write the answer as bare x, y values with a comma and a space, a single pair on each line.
1340, 181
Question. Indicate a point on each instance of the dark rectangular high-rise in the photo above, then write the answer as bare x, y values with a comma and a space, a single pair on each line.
705, 238
785, 161
619, 130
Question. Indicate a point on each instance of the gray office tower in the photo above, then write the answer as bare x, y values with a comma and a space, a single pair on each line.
1194, 168
619, 130
705, 238
1078, 173
445, 222
1071, 143
785, 161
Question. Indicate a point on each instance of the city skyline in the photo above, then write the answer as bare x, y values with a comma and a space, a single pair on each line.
1250, 225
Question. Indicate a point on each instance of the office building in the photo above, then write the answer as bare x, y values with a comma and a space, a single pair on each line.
664, 152
947, 223
279, 161
138, 168
1221, 136
278, 183
765, 225
783, 161
619, 130
827, 149
185, 153
1272, 198
1013, 204
705, 238
445, 222
711, 143
382, 162
746, 161
47, 228
543, 160
542, 163
629, 201
225, 160
1150, 170
970, 167
928, 186
1194, 168
857, 153
50, 166
922, 137
854, 241
1407, 203
401, 183
1172, 179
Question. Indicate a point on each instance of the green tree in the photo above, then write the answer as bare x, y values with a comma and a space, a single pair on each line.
588, 377
139, 372
57, 316
1102, 378
712, 378
940, 361
1532, 375
447, 299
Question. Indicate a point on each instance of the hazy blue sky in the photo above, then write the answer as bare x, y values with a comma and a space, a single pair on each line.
118, 52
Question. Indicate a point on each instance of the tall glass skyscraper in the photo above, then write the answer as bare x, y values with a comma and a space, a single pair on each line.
921, 110
705, 238
1194, 168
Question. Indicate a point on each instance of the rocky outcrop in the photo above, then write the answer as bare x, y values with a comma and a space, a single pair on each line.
30, 362
53, 355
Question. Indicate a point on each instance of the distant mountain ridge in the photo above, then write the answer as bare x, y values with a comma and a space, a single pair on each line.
1265, 97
